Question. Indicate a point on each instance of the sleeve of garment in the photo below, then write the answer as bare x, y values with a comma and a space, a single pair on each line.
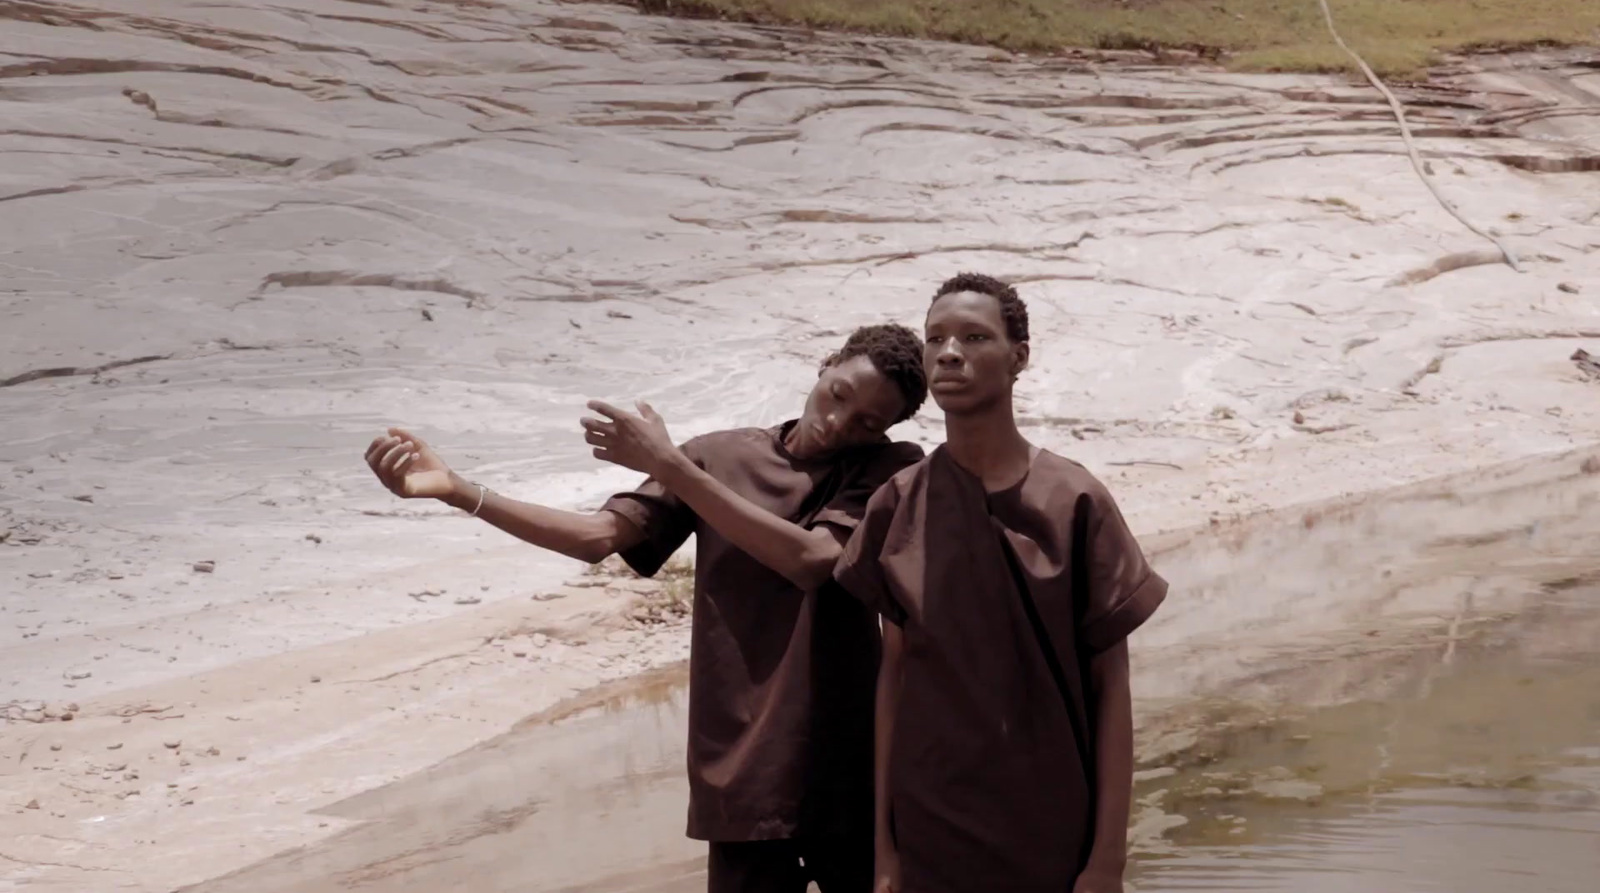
844, 512
859, 570
1123, 590
663, 518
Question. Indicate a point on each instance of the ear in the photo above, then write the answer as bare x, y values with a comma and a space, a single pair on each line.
1020, 354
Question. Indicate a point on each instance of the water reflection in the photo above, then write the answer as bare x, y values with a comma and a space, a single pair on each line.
1486, 778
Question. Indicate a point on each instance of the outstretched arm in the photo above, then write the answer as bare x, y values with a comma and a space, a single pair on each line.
1113, 723
641, 442
409, 468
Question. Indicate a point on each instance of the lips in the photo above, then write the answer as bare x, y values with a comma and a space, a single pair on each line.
946, 382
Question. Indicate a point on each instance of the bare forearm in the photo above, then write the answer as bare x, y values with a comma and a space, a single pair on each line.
804, 557
1113, 758
588, 537
889, 675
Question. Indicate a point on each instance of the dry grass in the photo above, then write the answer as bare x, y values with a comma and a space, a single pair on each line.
1398, 37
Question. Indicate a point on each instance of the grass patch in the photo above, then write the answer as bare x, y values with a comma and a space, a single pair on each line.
1397, 37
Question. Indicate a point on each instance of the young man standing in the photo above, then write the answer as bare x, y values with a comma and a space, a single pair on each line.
781, 663
1010, 583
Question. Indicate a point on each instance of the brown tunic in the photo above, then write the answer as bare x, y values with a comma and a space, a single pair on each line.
991, 773
780, 681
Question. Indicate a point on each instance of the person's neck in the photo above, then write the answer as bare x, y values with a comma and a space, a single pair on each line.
796, 446
988, 444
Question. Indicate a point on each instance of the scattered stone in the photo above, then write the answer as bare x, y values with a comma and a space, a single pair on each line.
32, 804
1588, 365
315, 679
314, 538
85, 497
519, 653
1591, 465
187, 801
116, 767
205, 567
550, 596
427, 315
1288, 789
469, 600
173, 744
55, 747
540, 640
1569, 288
117, 746
212, 751
77, 677
1299, 417
184, 762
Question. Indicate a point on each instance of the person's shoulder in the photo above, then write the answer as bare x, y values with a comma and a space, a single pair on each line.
728, 440
893, 456
1067, 479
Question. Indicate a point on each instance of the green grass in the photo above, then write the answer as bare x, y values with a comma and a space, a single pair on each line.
1397, 37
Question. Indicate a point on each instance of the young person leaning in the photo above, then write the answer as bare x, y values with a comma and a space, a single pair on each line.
1009, 582
782, 664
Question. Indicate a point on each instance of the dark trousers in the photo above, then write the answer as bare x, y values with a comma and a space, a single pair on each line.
841, 864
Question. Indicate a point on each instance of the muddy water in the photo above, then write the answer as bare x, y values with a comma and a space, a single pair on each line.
1484, 777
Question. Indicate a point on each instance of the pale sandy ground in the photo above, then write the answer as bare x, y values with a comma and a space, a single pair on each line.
260, 202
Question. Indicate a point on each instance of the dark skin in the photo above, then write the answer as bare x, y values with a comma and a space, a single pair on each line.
972, 366
851, 405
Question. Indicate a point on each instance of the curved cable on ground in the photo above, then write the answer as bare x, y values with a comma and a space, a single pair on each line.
1411, 146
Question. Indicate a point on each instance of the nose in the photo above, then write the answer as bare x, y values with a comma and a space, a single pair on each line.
831, 424
949, 353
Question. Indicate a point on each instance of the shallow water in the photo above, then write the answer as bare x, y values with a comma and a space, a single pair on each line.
1485, 777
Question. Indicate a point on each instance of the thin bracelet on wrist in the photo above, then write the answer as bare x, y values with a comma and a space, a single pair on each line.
482, 492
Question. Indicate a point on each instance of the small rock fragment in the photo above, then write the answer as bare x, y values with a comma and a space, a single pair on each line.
33, 804
316, 678
173, 744
1299, 417
469, 600
314, 538
117, 746
85, 497
1569, 287
205, 567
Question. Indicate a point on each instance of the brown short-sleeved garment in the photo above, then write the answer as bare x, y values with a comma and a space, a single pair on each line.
781, 681
991, 771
